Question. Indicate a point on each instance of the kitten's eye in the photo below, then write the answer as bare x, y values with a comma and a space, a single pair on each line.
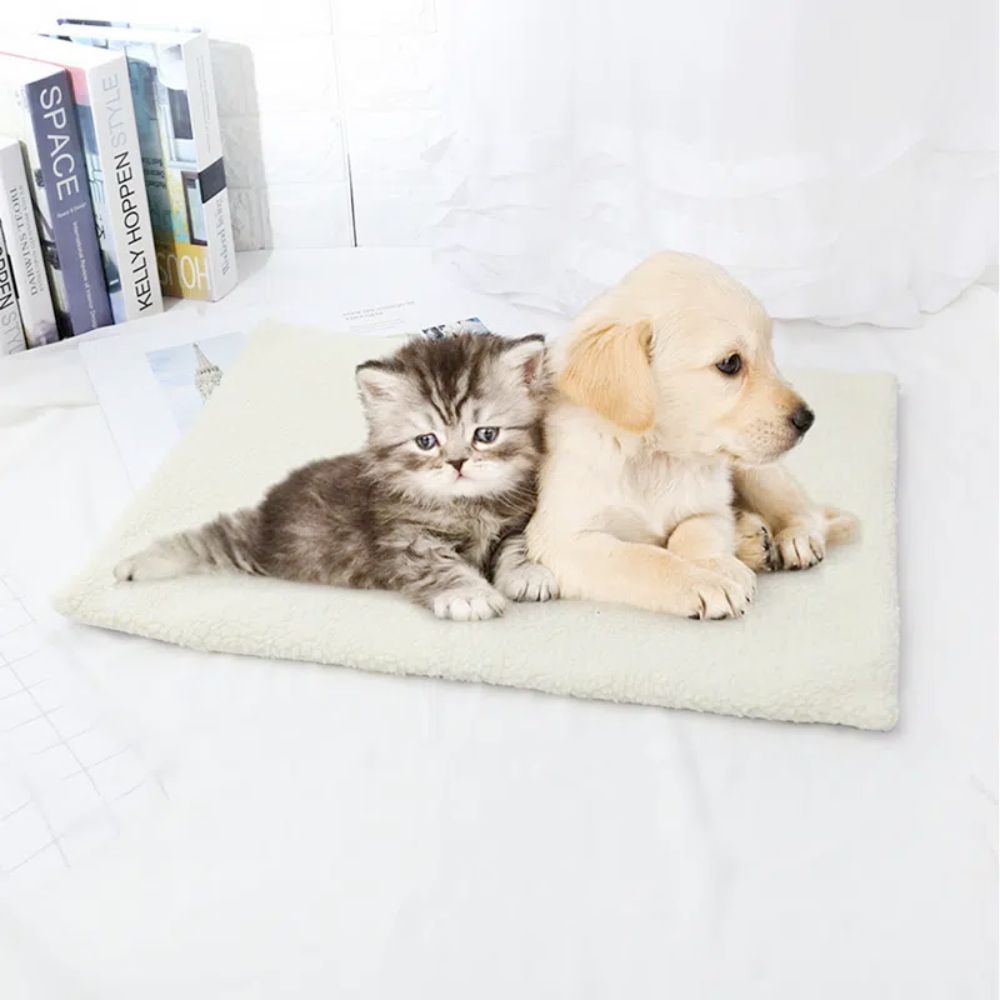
486, 435
426, 441
730, 365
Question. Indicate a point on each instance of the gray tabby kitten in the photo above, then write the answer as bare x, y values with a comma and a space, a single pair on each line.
433, 506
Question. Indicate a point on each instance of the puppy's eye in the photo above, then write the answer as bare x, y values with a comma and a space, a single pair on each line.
486, 435
730, 365
426, 441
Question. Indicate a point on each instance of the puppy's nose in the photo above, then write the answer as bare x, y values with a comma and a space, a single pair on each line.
802, 419
456, 463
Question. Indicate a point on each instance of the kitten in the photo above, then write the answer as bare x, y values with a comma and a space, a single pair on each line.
433, 506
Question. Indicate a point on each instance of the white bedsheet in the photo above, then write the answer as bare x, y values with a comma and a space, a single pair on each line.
342, 834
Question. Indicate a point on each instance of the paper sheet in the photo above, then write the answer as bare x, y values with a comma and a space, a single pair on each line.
152, 384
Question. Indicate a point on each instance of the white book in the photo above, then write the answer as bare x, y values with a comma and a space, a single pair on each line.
17, 219
11, 331
103, 100
174, 97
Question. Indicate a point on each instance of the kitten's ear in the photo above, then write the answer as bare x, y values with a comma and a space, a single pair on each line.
608, 370
377, 383
526, 356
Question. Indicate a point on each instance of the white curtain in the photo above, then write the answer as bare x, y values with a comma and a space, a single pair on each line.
837, 155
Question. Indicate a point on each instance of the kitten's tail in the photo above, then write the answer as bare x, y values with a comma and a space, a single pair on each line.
227, 543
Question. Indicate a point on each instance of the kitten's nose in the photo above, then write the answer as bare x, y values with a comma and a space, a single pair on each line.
456, 464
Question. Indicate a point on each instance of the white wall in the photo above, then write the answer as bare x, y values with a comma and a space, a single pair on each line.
334, 114
390, 56
294, 79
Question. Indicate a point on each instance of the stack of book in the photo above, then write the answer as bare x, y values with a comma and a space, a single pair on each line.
112, 186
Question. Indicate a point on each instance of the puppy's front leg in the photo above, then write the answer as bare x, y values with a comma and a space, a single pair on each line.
801, 528
596, 566
709, 541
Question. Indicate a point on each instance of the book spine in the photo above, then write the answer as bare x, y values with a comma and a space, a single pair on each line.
128, 226
211, 169
95, 179
17, 217
169, 165
11, 331
70, 213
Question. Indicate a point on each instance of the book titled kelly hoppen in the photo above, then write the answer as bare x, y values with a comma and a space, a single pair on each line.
174, 97
39, 107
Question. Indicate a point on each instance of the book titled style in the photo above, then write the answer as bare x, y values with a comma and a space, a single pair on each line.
174, 97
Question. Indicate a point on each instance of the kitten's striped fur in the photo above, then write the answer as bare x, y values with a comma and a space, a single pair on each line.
442, 526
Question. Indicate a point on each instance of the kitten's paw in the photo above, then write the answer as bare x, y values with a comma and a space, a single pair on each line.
469, 604
152, 564
800, 546
125, 570
754, 545
529, 581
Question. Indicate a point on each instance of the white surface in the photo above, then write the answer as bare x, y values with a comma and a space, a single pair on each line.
816, 647
331, 832
69, 781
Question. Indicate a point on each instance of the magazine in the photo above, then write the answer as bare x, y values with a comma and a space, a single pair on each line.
152, 385
187, 374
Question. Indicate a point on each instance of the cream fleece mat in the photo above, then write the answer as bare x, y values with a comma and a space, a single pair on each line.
817, 646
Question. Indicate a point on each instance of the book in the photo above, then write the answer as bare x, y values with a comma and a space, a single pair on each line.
24, 249
102, 96
174, 97
11, 331
36, 106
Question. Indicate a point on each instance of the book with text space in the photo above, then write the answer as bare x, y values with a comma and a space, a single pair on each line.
36, 106
103, 100
174, 97
11, 331
24, 248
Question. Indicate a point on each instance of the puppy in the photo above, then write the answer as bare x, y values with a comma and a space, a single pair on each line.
660, 489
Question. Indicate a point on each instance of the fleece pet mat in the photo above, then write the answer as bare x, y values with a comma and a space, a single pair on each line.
817, 646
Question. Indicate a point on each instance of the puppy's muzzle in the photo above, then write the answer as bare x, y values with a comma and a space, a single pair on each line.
802, 419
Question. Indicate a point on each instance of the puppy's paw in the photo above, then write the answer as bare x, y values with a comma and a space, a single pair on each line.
800, 546
528, 581
754, 545
717, 588
469, 604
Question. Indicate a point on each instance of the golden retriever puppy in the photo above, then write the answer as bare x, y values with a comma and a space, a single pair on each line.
659, 488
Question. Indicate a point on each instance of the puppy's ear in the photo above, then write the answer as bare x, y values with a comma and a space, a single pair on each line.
608, 370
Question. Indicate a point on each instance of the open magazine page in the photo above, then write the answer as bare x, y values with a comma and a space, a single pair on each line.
152, 385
